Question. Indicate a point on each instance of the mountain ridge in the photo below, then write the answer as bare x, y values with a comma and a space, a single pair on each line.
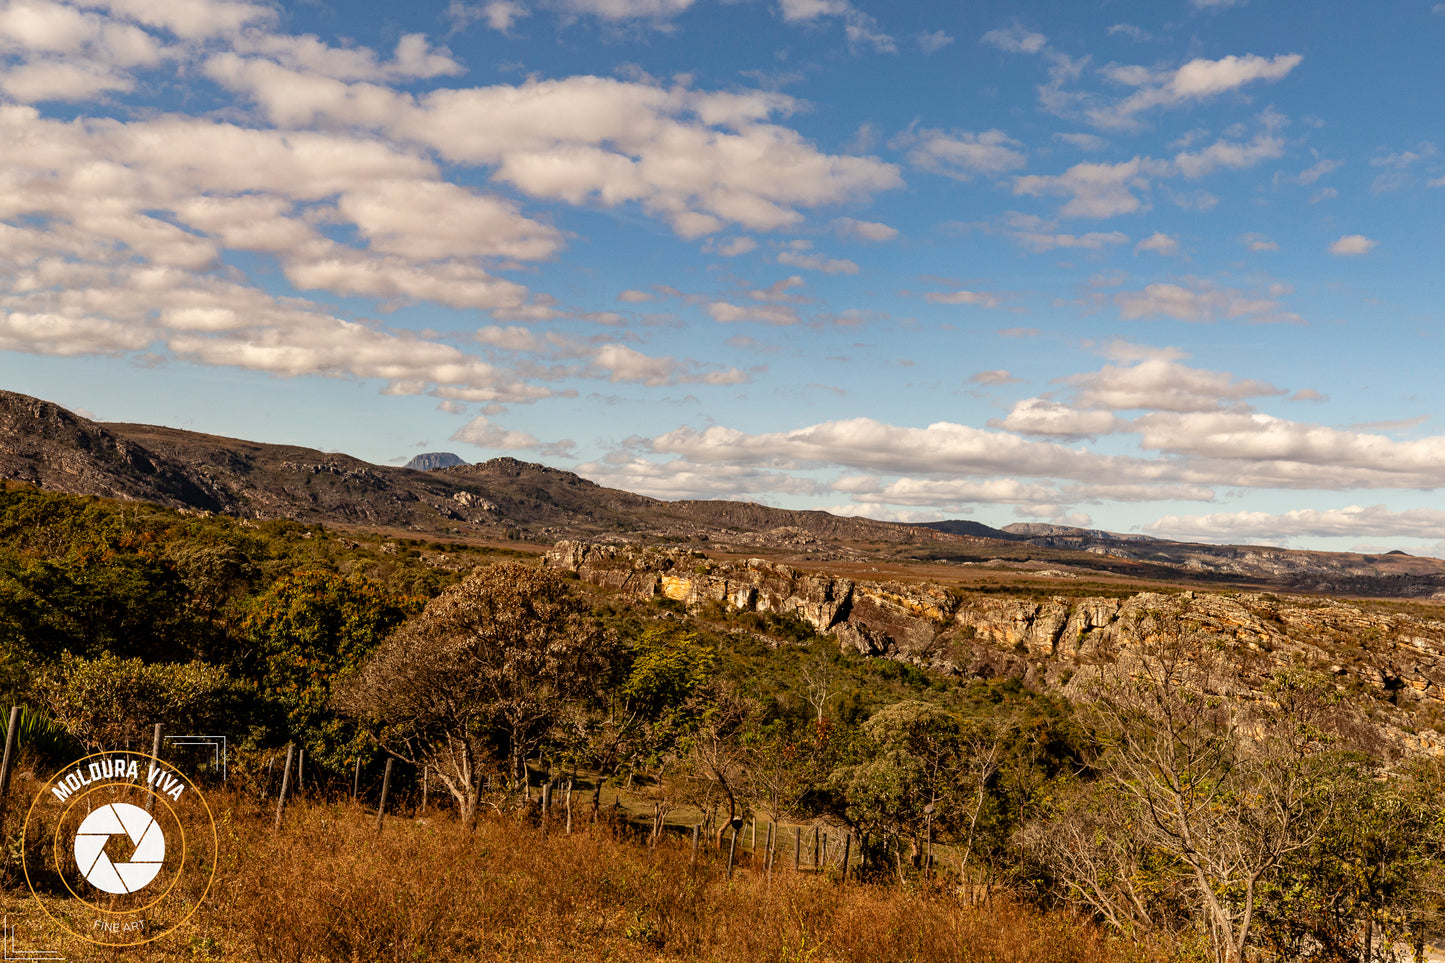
504, 498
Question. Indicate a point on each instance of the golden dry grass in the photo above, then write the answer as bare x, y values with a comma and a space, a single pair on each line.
329, 888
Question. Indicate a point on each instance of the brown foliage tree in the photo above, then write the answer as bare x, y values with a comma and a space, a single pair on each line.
479, 677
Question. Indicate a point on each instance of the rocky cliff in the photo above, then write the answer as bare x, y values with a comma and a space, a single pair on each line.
1393, 662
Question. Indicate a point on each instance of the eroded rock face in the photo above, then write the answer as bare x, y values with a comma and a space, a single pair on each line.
1389, 660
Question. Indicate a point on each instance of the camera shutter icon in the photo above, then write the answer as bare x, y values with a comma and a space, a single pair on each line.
144, 833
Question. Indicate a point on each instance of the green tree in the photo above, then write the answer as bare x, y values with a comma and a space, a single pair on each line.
306, 631
111, 703
910, 759
653, 703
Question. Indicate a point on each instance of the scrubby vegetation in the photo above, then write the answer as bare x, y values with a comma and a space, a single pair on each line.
1162, 818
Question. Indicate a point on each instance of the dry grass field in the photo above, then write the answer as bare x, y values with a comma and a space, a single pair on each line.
329, 887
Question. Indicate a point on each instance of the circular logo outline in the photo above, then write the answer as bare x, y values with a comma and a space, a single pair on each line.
210, 821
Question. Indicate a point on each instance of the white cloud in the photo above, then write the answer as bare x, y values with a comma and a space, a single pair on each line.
998, 376
1039, 235
866, 443
732, 247
727, 312
500, 15
1199, 79
1228, 154
973, 298
635, 297
797, 256
1354, 521
867, 230
680, 478
698, 160
932, 41
1016, 39
617, 10
950, 494
961, 154
1200, 301
1315, 171
189, 19
859, 27
1258, 243
484, 434
1159, 244
1094, 190
435, 220
1132, 31
1352, 245
1038, 416
1160, 384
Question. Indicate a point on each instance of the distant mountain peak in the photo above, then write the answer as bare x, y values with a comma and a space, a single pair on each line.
432, 460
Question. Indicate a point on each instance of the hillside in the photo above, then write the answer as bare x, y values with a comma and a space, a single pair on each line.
506, 499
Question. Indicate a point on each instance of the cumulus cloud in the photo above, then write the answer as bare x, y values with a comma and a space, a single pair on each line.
865, 443
1200, 301
680, 478
860, 28
618, 362
1228, 154
1161, 384
978, 299
1094, 190
865, 230
698, 160
800, 257
1352, 245
727, 313
961, 155
1159, 244
1039, 235
1353, 521
1039, 416
480, 431
998, 376
1199, 79
618, 10
1016, 39
932, 41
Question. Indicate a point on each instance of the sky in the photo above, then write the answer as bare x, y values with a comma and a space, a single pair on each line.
1166, 267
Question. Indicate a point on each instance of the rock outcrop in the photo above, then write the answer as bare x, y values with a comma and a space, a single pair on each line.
1395, 661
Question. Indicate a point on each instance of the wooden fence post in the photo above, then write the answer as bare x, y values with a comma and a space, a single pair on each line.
732, 849
567, 802
797, 848
693, 862
156, 754
285, 785
385, 791
300, 768
12, 732
847, 852
356, 780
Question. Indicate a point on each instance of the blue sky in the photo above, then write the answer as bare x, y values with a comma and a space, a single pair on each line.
1165, 267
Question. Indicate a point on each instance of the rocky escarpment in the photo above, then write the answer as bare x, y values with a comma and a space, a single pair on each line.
1394, 660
